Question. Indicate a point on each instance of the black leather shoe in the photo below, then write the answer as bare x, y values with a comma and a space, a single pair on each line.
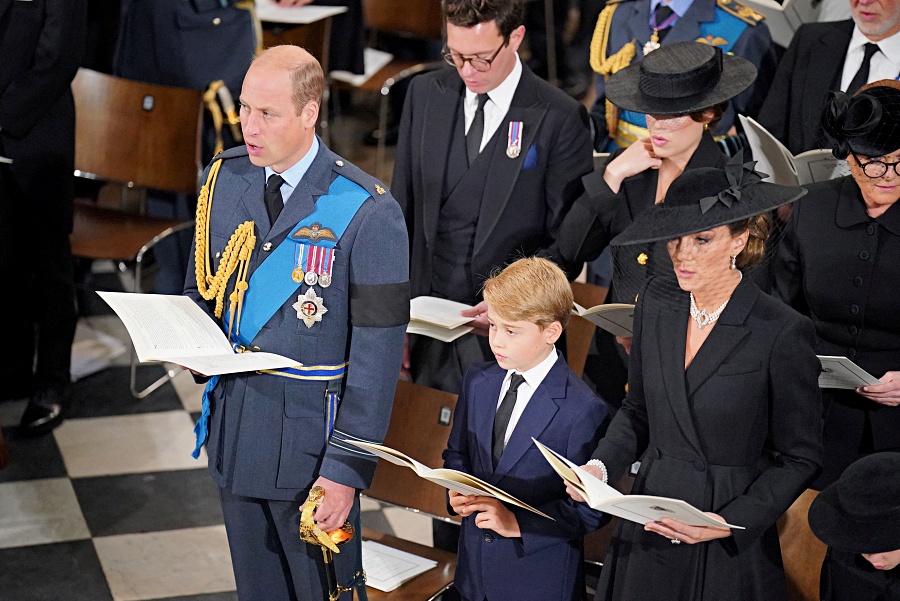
43, 413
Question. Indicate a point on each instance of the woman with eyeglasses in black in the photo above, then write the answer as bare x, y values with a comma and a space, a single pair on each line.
840, 264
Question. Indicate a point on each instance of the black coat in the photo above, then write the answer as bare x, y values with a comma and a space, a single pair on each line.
849, 577
811, 67
738, 433
526, 197
842, 268
41, 46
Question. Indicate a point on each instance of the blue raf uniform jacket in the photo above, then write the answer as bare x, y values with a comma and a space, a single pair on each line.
631, 21
267, 434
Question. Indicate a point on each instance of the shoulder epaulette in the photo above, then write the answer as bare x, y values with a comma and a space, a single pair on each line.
230, 153
371, 184
741, 11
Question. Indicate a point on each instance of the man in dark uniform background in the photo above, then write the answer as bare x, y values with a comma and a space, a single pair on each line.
41, 45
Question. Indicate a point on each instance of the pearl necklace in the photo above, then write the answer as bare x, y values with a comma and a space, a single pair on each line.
701, 316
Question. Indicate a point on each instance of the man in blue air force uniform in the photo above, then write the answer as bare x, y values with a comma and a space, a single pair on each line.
325, 284
628, 29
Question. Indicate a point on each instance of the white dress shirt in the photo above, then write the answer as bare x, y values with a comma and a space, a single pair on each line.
533, 378
885, 63
499, 100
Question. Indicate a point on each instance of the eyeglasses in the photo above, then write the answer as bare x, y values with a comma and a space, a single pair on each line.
876, 169
478, 63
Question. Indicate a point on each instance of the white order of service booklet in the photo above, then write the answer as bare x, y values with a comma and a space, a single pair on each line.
636, 508
438, 318
841, 372
615, 318
455, 480
167, 327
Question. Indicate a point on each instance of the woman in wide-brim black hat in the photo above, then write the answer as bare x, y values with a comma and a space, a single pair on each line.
722, 377
858, 517
684, 89
839, 263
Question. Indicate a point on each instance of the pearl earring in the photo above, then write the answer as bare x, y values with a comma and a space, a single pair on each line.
734, 261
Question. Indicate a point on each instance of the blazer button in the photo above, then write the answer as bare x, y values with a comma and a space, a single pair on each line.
854, 330
854, 309
870, 229
488, 537
864, 255
851, 352
698, 465
857, 281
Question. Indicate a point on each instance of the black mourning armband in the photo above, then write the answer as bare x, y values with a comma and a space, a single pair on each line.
379, 305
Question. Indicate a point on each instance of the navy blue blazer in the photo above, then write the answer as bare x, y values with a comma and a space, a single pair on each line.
546, 562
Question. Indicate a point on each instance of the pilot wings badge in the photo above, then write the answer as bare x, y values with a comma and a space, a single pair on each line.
314, 233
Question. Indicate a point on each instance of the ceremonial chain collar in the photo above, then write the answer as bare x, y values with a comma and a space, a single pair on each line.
702, 317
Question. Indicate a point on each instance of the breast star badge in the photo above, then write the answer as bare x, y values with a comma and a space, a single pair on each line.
310, 307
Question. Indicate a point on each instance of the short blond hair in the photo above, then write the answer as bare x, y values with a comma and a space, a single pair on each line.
531, 289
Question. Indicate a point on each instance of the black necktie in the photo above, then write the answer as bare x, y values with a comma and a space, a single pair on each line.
476, 130
504, 412
862, 76
274, 201
660, 14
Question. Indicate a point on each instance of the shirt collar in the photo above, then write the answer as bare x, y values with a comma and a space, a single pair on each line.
535, 375
679, 7
890, 46
502, 95
293, 174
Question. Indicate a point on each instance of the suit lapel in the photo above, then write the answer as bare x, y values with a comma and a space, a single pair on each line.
504, 171
831, 51
537, 416
671, 332
302, 201
728, 332
444, 96
484, 409
640, 192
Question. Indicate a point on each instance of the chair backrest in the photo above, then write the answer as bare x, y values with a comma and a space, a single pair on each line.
417, 18
420, 427
137, 133
801, 551
580, 331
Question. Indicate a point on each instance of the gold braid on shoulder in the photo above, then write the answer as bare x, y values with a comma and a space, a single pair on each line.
606, 66
235, 257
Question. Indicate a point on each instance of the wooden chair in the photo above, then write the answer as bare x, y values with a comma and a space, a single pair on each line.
801, 551
420, 19
137, 135
580, 331
420, 427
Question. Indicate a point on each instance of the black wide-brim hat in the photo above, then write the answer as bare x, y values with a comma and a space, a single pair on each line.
705, 198
680, 78
867, 123
860, 513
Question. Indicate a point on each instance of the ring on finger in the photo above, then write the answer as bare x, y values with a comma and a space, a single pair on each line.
675, 541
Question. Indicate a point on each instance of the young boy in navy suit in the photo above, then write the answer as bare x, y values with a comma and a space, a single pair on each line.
509, 553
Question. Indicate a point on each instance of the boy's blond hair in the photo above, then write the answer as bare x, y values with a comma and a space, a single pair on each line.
531, 289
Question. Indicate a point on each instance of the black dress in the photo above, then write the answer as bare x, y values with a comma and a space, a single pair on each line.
842, 268
738, 433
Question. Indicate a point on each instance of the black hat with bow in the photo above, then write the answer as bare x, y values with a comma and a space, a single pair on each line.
867, 124
705, 198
